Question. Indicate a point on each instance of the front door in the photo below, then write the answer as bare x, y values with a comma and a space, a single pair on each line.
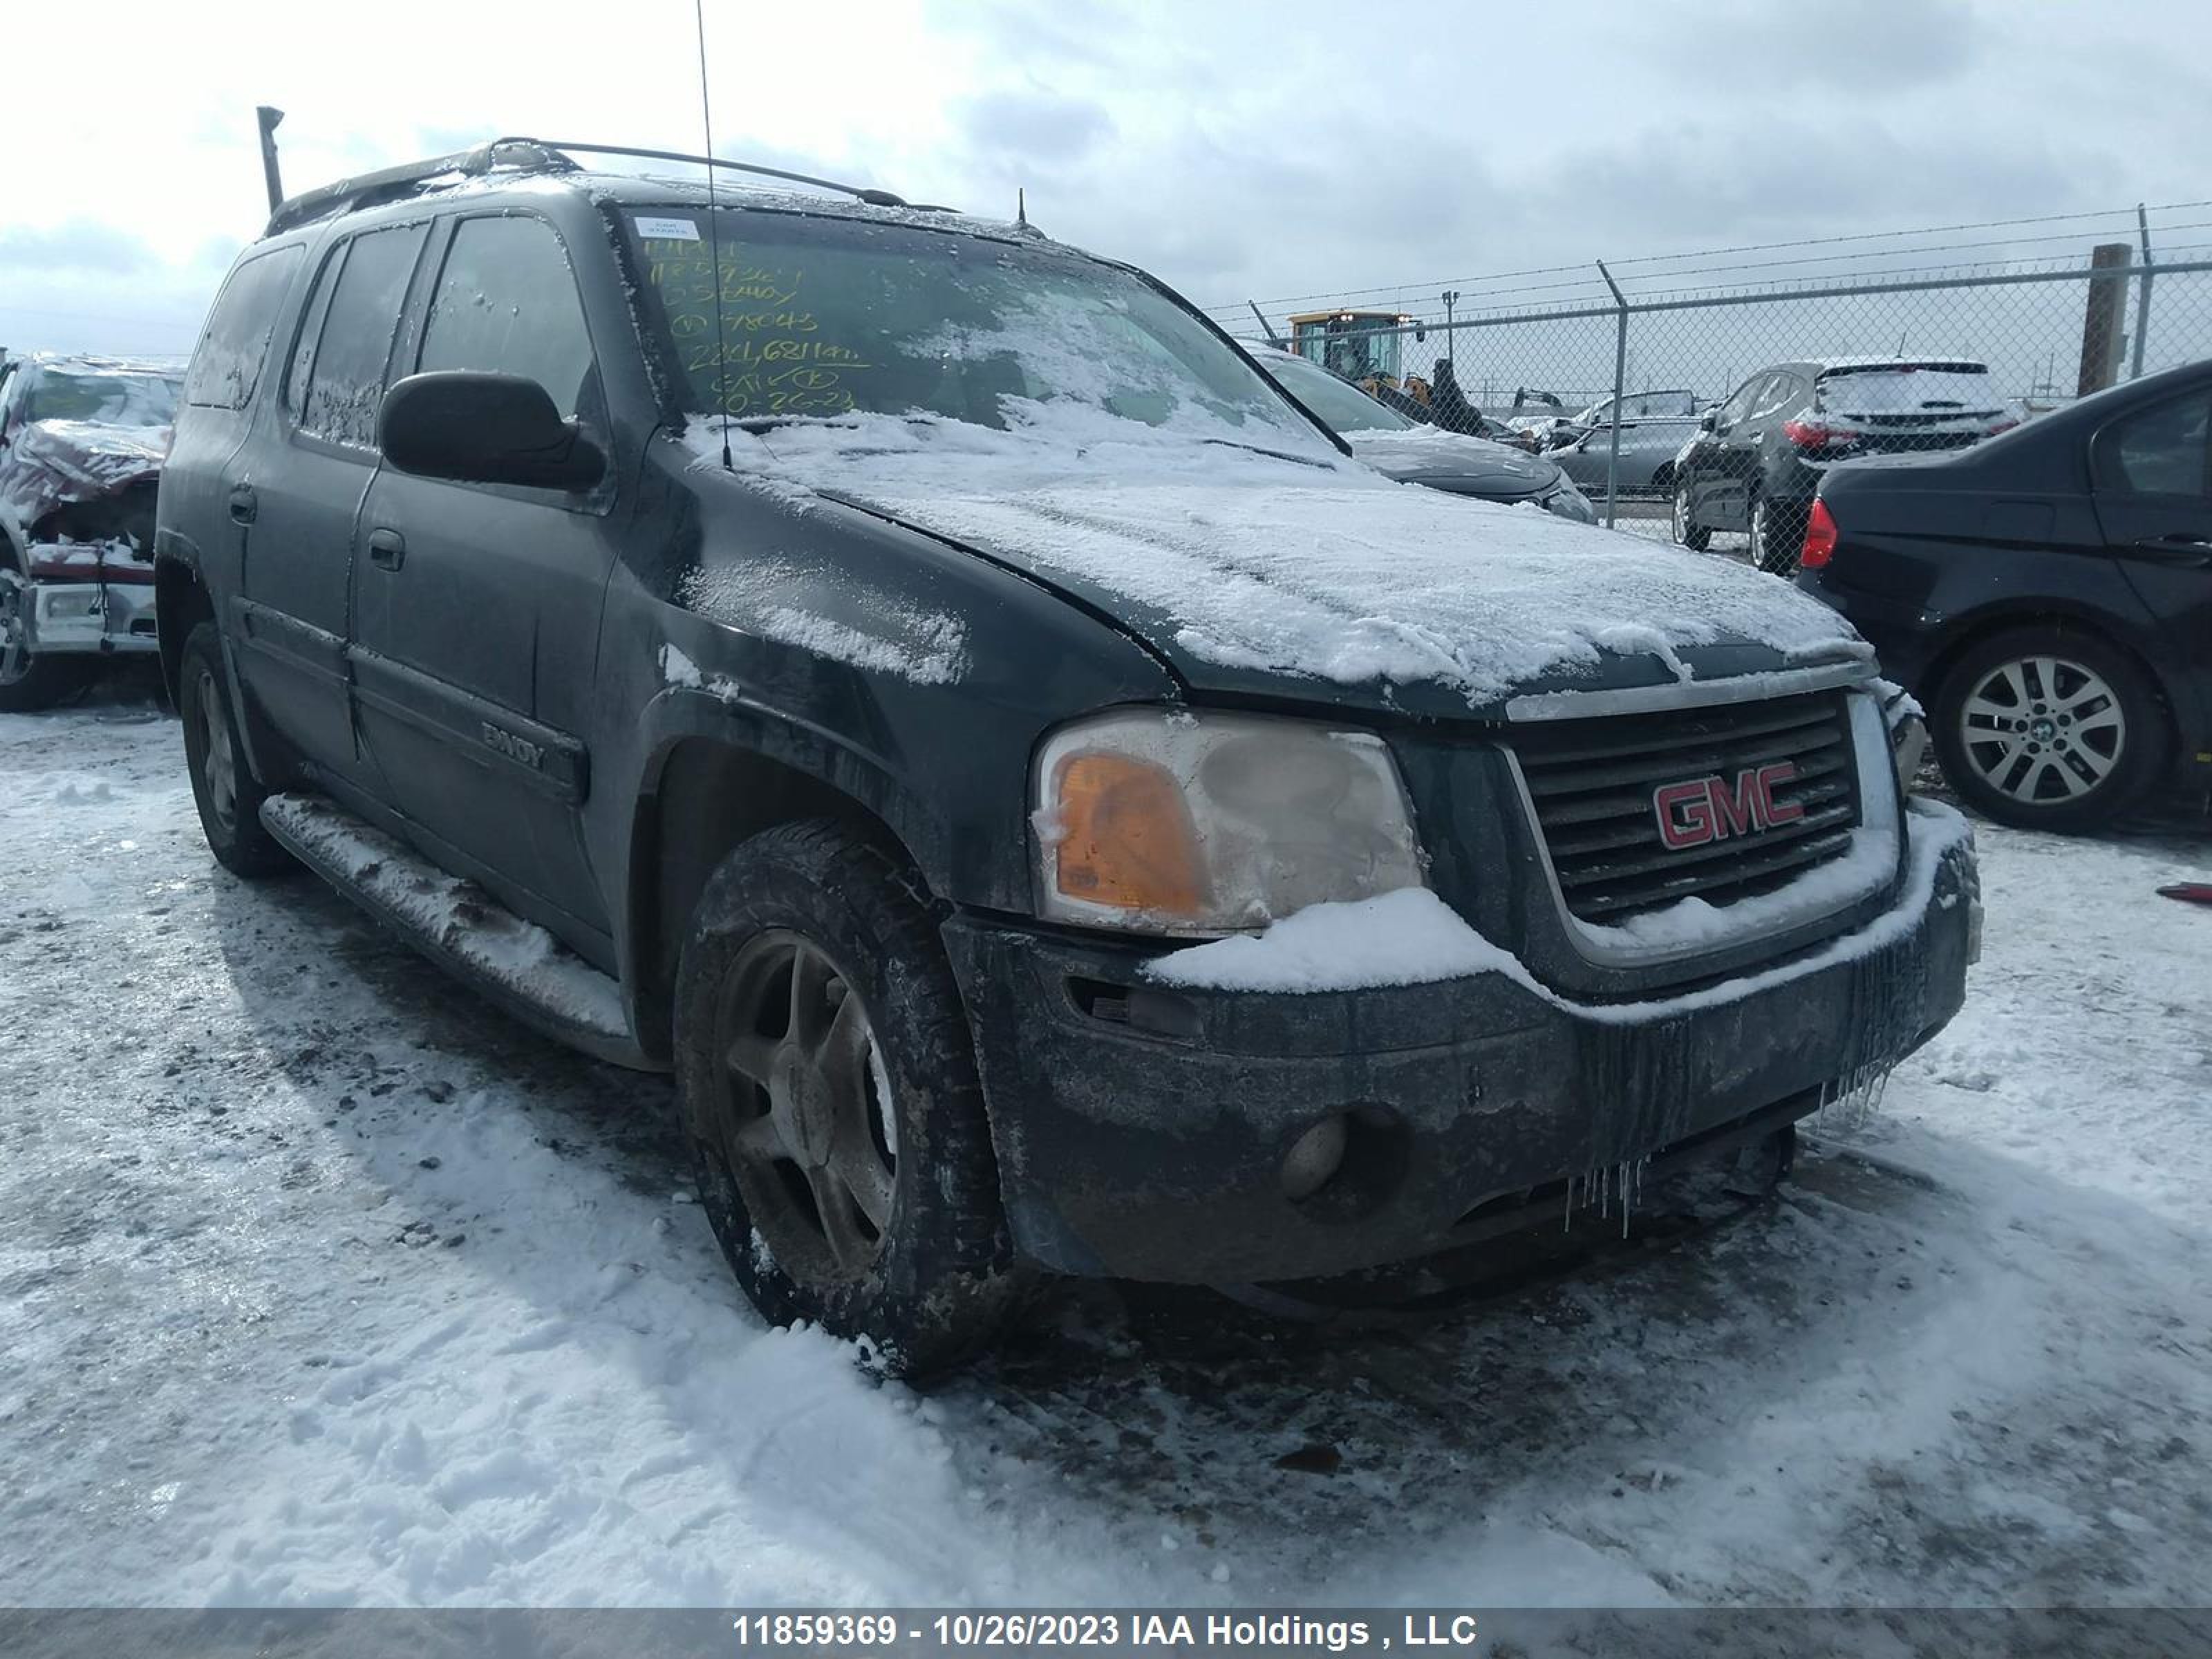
2154, 479
477, 607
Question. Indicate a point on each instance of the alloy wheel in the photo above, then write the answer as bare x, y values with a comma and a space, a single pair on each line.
2045, 731
218, 760
807, 1124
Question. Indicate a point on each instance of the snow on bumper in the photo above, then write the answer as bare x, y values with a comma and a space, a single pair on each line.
1147, 1130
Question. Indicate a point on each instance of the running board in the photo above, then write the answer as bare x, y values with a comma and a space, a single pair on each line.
508, 961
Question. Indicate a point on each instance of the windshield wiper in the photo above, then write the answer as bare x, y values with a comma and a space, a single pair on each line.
1273, 454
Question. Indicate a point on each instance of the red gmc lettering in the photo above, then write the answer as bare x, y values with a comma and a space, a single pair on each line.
1697, 811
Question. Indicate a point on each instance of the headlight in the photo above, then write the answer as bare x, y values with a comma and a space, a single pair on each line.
1172, 822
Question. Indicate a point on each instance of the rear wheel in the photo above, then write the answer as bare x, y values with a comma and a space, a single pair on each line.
30, 680
2049, 728
1687, 530
223, 785
828, 1085
1778, 535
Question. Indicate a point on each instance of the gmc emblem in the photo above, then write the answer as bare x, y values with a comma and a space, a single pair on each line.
1701, 809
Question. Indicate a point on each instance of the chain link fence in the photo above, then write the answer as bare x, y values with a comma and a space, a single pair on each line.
1706, 411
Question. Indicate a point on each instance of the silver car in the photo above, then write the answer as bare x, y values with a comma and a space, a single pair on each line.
1654, 426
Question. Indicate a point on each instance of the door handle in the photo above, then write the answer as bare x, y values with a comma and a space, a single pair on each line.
244, 503
388, 549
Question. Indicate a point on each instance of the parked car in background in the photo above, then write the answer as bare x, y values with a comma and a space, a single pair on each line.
1415, 453
1754, 464
1654, 426
1051, 807
2048, 595
81, 441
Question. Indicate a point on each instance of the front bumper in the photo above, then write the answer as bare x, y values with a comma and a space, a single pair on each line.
1143, 1132
64, 617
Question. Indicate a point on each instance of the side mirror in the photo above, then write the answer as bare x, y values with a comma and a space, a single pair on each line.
477, 427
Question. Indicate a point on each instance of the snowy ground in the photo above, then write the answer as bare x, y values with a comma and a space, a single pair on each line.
319, 1282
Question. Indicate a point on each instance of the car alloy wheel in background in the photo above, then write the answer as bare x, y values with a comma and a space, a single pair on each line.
2043, 729
1689, 533
2048, 728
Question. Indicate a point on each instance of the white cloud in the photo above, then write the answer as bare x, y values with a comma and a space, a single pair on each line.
1270, 147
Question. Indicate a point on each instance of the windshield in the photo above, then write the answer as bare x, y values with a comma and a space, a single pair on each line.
824, 318
108, 399
1345, 407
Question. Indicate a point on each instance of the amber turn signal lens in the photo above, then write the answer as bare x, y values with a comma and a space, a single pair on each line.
1126, 837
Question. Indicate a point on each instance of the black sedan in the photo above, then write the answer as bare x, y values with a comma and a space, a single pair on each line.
2048, 595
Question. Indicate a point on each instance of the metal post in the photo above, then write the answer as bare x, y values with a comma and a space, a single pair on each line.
268, 117
1451, 299
1619, 386
1267, 327
2142, 295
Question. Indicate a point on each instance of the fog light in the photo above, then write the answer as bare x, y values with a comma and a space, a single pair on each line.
1317, 1155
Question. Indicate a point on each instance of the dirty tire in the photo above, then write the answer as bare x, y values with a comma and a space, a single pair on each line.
941, 1282
223, 785
1687, 530
1778, 535
1976, 762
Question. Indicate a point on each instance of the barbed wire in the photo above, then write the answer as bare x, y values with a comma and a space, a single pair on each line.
1639, 266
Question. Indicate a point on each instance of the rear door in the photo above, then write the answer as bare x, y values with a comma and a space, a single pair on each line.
302, 497
477, 607
2152, 471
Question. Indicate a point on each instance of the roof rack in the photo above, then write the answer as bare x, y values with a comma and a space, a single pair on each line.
389, 184
859, 192
522, 154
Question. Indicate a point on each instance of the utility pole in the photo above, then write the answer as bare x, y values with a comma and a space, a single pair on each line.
2102, 337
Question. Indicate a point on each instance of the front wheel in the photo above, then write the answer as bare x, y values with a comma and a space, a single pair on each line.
828, 1085
1778, 535
2048, 728
1686, 529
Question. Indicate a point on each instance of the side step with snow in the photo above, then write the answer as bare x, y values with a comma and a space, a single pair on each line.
511, 962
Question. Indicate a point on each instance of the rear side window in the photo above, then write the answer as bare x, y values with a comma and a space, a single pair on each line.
2158, 451
507, 303
1780, 389
228, 364
344, 381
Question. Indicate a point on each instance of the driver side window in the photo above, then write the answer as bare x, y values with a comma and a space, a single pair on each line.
1737, 406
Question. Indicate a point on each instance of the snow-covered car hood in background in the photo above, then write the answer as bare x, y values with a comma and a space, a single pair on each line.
1243, 568
1427, 453
53, 462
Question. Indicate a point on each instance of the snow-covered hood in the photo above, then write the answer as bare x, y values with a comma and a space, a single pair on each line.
53, 463
1430, 455
1260, 575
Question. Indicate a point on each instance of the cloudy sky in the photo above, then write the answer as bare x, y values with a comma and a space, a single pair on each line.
1267, 150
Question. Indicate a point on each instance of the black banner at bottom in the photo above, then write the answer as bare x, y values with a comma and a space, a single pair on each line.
1120, 1632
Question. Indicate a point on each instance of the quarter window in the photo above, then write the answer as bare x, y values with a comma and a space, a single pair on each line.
2158, 451
353, 349
228, 361
507, 303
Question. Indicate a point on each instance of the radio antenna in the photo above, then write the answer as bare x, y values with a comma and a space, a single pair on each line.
713, 236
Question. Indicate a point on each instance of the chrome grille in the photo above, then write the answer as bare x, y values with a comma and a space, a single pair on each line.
1591, 783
